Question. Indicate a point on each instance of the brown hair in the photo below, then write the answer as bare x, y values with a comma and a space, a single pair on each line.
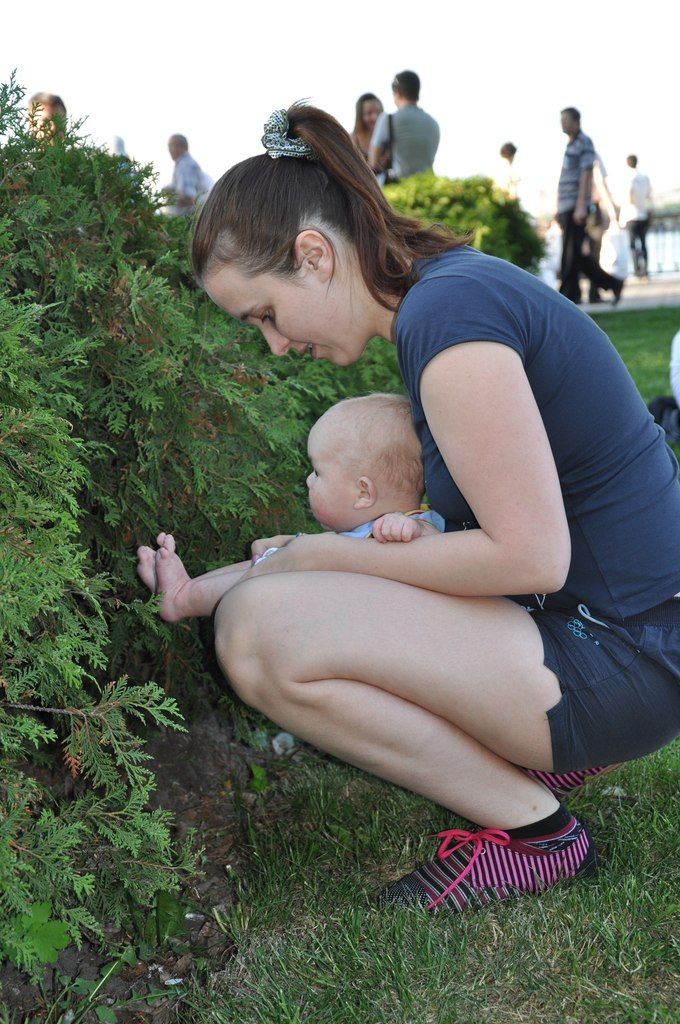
48, 99
365, 97
375, 434
408, 84
256, 210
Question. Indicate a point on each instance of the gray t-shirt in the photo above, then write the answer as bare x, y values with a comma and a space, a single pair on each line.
415, 138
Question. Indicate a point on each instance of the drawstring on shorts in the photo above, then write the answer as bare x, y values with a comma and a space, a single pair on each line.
582, 610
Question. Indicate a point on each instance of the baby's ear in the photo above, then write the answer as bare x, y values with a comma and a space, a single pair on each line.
367, 493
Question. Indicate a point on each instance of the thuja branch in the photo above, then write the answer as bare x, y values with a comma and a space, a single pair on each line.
71, 712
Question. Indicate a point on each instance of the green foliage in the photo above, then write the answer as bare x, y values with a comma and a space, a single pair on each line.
476, 206
259, 781
166, 919
63, 866
128, 403
34, 936
80, 857
77, 999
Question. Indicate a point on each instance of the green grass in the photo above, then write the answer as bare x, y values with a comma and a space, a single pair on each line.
643, 338
312, 948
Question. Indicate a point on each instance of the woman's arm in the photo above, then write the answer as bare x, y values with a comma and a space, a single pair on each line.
483, 416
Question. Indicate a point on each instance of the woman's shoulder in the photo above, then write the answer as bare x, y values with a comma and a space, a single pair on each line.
462, 279
462, 295
465, 261
465, 277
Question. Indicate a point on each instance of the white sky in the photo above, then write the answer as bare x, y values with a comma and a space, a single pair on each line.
491, 72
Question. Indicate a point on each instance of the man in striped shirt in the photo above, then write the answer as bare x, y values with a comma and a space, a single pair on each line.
573, 197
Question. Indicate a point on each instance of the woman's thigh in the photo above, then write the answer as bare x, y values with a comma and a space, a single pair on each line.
477, 663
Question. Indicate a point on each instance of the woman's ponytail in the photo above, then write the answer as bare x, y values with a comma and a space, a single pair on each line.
257, 209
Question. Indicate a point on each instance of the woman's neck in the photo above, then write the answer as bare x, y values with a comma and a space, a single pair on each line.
363, 139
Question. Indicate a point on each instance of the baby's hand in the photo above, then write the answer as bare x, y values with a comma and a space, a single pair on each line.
395, 526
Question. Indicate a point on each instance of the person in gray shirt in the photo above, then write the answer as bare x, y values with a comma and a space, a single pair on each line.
414, 134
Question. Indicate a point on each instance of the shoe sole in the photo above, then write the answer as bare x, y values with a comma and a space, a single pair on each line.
589, 778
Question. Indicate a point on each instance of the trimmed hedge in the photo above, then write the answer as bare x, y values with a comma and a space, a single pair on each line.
476, 206
79, 859
128, 403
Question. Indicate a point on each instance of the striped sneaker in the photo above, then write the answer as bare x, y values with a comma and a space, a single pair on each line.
473, 869
567, 782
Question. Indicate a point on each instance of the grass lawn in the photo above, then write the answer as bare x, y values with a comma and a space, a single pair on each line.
643, 338
317, 844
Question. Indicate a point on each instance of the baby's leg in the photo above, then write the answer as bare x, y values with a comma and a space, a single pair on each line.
182, 597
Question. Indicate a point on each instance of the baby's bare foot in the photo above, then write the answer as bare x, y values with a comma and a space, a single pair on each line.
171, 577
146, 567
164, 574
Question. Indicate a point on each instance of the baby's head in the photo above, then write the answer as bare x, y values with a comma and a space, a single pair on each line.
365, 462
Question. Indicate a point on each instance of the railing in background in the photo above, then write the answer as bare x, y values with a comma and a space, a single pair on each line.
663, 244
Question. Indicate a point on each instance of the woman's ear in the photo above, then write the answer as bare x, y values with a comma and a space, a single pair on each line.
314, 254
368, 493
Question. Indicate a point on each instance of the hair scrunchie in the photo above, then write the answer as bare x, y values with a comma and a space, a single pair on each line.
277, 143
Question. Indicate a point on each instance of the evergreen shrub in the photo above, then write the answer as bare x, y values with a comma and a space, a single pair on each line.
187, 423
128, 403
78, 859
476, 206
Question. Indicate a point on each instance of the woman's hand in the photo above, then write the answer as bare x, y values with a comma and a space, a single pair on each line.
295, 554
258, 547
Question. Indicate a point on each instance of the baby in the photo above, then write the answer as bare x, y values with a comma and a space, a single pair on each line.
366, 481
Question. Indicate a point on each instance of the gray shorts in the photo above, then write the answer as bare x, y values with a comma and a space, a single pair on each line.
620, 683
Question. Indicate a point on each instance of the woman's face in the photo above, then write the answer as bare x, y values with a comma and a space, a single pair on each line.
305, 313
370, 111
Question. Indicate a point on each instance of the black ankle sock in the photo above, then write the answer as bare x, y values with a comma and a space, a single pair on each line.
556, 821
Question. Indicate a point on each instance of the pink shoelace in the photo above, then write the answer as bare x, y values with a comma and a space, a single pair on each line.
459, 837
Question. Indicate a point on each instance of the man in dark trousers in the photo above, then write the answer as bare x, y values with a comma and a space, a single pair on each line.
573, 198
637, 212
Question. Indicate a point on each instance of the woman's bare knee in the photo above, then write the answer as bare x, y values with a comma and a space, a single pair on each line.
241, 640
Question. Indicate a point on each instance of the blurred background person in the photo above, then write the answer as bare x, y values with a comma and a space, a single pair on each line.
574, 193
636, 214
368, 110
117, 146
551, 261
410, 136
46, 114
190, 185
666, 408
509, 176
675, 368
602, 212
